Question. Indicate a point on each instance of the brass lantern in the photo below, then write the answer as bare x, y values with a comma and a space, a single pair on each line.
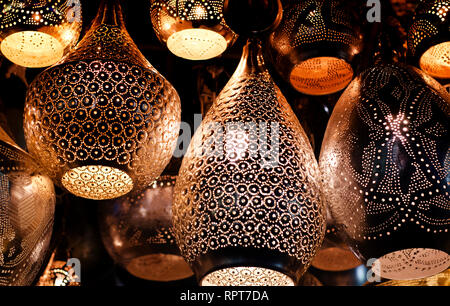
27, 205
36, 33
429, 38
385, 170
314, 46
192, 29
103, 121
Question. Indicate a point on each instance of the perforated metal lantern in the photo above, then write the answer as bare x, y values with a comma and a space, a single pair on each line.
103, 122
192, 29
247, 207
315, 44
37, 33
27, 204
385, 170
429, 38
137, 232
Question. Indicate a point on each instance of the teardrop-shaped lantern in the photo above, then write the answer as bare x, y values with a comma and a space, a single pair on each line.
103, 121
247, 207
138, 234
314, 46
385, 166
27, 205
429, 38
192, 29
38, 33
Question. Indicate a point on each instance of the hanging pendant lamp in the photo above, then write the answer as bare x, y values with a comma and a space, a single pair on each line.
315, 45
247, 207
103, 122
27, 204
36, 33
429, 38
192, 29
385, 169
137, 232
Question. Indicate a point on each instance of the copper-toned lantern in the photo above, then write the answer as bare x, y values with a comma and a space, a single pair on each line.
38, 33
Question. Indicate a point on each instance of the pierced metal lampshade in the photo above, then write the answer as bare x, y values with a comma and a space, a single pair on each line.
137, 232
36, 33
103, 122
192, 29
441, 279
385, 167
429, 38
314, 46
27, 204
247, 207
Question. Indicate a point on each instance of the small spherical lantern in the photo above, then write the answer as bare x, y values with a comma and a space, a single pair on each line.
38, 33
385, 167
192, 29
429, 38
27, 204
137, 232
314, 46
103, 122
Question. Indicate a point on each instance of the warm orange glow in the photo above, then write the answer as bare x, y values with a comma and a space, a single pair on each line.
335, 259
436, 60
321, 75
159, 267
246, 276
97, 182
196, 44
32, 49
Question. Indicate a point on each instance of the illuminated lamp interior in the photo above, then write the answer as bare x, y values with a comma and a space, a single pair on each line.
321, 75
246, 276
196, 44
97, 182
32, 49
159, 267
436, 60
411, 264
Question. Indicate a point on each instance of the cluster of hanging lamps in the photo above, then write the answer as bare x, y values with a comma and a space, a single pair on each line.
138, 234
429, 38
27, 204
315, 46
192, 29
38, 33
103, 121
247, 207
385, 168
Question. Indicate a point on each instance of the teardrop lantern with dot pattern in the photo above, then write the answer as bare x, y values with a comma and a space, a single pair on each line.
192, 29
103, 122
429, 38
27, 205
37, 33
247, 207
314, 46
137, 232
386, 171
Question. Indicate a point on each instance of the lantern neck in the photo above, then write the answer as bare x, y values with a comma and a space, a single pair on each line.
252, 59
110, 13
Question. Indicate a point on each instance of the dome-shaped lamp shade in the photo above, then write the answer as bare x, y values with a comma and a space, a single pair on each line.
27, 204
429, 38
137, 232
103, 122
385, 166
192, 29
314, 46
38, 33
247, 207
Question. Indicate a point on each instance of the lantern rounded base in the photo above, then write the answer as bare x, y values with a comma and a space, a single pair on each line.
97, 182
335, 259
197, 44
411, 264
436, 60
32, 49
